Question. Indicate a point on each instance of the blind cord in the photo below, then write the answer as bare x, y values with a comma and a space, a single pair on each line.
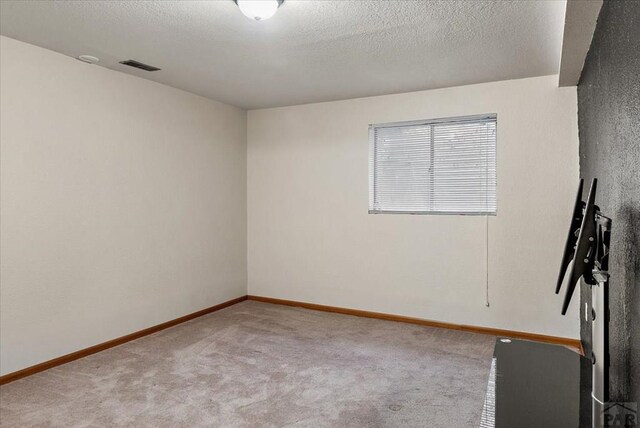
487, 261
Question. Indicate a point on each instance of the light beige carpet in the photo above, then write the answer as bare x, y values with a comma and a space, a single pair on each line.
262, 365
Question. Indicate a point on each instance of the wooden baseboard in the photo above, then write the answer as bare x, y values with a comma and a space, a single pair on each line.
565, 341
10, 377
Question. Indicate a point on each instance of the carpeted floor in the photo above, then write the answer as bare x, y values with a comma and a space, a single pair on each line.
262, 365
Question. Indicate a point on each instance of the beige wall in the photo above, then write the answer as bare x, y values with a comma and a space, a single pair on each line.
311, 239
123, 204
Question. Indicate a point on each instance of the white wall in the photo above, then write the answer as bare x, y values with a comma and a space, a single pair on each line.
311, 239
123, 204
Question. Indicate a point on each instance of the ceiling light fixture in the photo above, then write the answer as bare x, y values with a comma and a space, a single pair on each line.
258, 9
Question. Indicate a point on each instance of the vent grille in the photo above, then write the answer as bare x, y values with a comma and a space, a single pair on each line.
141, 66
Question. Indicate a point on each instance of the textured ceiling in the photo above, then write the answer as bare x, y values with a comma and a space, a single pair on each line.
309, 51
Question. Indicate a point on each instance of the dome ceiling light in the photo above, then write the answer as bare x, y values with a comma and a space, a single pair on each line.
258, 10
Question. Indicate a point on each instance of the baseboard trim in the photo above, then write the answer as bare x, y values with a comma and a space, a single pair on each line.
10, 377
565, 341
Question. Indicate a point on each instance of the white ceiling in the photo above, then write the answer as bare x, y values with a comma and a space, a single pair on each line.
309, 51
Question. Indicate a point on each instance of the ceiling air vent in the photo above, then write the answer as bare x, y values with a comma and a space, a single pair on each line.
141, 66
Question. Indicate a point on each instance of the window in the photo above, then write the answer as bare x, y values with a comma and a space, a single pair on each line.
443, 166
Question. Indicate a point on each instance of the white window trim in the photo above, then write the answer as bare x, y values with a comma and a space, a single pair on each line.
461, 119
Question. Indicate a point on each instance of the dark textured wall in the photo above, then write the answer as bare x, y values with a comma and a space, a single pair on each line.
609, 126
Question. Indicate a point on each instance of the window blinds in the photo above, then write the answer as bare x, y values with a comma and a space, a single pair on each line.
444, 166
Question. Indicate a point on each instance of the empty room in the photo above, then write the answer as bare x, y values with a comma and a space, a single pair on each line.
290, 213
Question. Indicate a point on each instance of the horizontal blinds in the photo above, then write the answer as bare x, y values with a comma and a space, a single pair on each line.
444, 166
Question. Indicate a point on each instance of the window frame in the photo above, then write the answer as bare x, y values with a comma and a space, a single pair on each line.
429, 122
